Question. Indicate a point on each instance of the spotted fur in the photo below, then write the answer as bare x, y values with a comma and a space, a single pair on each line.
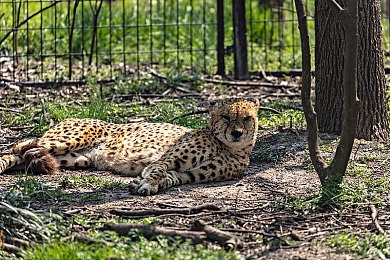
159, 155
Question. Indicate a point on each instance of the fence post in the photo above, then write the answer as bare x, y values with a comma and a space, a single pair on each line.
220, 39
240, 45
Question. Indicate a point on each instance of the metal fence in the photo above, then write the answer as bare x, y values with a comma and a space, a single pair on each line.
70, 40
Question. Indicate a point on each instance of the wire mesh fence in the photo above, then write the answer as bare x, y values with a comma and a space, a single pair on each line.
69, 40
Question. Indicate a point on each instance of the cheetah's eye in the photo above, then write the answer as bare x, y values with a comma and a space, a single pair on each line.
247, 118
226, 118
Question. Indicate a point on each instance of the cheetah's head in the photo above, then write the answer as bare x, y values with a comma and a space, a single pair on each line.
234, 121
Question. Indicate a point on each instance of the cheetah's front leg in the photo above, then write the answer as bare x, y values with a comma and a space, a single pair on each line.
156, 177
152, 179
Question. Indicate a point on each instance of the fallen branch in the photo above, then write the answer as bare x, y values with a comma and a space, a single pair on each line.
245, 83
10, 248
179, 86
10, 110
206, 111
374, 216
144, 96
190, 114
87, 240
159, 212
260, 232
150, 231
225, 239
17, 241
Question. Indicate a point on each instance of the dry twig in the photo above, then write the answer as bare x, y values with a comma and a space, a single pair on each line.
150, 231
229, 241
374, 216
159, 212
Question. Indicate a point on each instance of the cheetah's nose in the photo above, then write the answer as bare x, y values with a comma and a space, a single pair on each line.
236, 133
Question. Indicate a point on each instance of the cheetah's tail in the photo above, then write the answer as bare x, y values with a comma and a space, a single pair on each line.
27, 153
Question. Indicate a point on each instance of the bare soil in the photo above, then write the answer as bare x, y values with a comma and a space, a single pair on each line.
255, 207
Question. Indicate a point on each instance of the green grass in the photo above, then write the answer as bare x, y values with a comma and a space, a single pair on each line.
22, 223
92, 196
93, 108
28, 189
125, 248
366, 246
104, 106
360, 187
289, 117
91, 182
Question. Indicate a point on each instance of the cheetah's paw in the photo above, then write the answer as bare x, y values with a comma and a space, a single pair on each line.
143, 187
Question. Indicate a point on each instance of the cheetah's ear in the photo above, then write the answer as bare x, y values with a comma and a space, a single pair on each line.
211, 105
254, 100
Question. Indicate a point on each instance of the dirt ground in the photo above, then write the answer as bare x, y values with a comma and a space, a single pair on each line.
254, 207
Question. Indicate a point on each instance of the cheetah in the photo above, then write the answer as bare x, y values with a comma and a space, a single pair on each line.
157, 155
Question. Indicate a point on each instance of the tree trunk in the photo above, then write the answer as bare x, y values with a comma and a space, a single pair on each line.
329, 60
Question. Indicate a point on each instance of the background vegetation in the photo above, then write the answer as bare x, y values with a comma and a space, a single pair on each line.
174, 34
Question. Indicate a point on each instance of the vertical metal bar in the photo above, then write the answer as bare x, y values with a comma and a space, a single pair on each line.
13, 37
294, 49
27, 41
280, 37
68, 20
177, 36
82, 40
165, 32
265, 37
240, 45
220, 39
124, 36
137, 29
110, 45
55, 42
41, 43
70, 34
151, 31
251, 33
204, 36
97, 38
191, 36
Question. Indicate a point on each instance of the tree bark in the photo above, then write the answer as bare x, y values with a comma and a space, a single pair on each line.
348, 17
329, 60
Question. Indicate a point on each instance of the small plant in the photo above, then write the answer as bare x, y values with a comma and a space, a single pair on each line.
368, 158
94, 196
22, 223
357, 170
28, 189
305, 203
289, 118
150, 221
268, 155
370, 246
96, 108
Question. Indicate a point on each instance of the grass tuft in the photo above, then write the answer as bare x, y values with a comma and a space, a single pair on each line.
125, 248
350, 193
28, 189
371, 246
88, 181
